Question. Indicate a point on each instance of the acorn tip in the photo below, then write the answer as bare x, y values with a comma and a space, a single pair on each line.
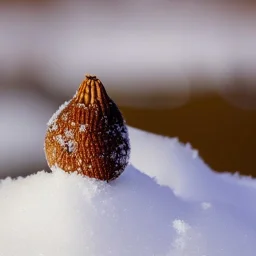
91, 77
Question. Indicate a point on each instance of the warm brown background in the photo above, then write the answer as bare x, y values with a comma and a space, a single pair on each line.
224, 135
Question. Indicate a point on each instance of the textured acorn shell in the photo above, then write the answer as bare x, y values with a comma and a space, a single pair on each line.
88, 134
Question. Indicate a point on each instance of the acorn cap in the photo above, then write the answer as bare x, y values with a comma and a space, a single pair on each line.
88, 134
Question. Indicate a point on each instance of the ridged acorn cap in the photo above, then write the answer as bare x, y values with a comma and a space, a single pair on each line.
88, 134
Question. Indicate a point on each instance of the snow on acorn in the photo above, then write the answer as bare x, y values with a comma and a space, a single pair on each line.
88, 134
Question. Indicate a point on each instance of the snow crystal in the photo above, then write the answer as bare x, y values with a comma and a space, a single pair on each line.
206, 205
82, 128
60, 140
54, 126
69, 134
181, 226
65, 117
81, 105
161, 205
57, 113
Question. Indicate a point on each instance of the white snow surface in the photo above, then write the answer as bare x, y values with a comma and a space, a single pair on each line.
168, 202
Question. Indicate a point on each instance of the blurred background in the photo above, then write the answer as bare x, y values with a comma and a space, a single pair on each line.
182, 68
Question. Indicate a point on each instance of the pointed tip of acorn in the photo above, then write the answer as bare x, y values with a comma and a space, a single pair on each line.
91, 90
90, 76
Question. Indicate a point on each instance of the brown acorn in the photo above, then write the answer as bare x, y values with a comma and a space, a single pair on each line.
88, 134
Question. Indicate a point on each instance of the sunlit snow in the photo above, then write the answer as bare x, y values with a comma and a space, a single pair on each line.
168, 202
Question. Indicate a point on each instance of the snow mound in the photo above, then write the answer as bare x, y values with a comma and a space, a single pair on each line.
179, 167
186, 210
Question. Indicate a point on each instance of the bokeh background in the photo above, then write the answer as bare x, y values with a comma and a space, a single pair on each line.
182, 68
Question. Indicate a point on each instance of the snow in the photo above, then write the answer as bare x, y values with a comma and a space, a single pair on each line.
54, 117
189, 177
167, 202
82, 128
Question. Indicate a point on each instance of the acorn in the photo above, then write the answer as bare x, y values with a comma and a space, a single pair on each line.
88, 134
